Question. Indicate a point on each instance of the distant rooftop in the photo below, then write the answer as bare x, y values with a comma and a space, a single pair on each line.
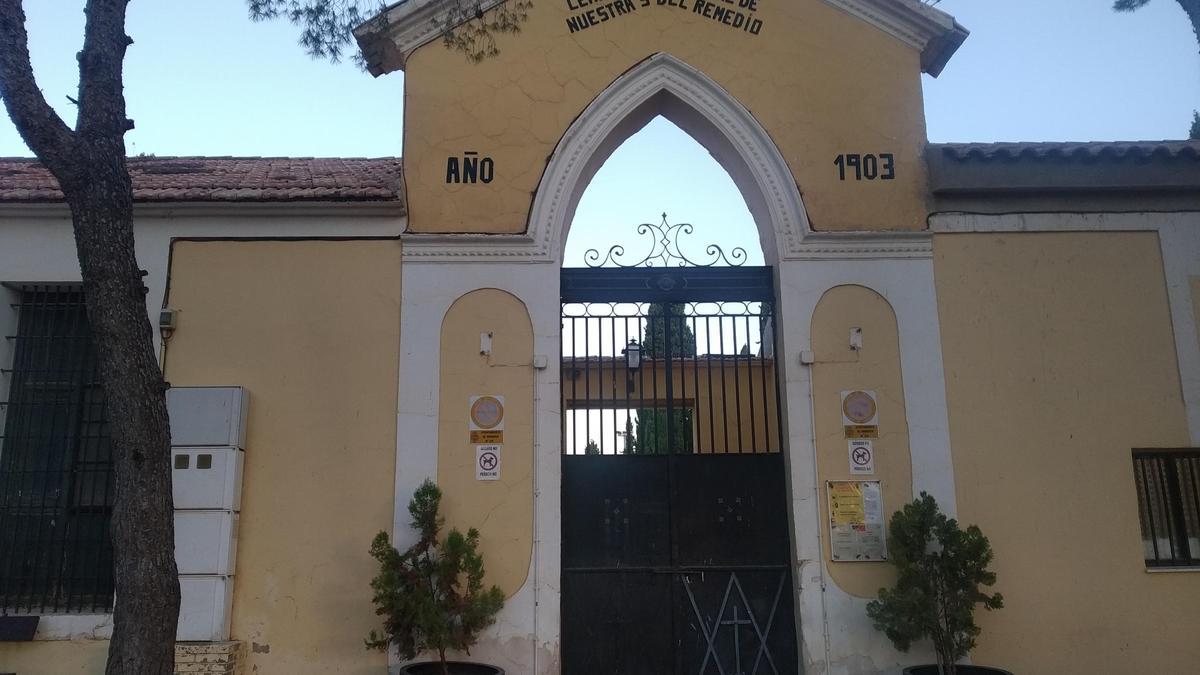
225, 179
1142, 166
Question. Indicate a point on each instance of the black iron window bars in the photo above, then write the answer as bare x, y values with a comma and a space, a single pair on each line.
1168, 491
56, 483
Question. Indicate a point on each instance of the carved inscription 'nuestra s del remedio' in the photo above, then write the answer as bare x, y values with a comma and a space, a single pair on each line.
736, 14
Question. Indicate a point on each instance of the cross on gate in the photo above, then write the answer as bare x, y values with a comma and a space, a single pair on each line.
737, 638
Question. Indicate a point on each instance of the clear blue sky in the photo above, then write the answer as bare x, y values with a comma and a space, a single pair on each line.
201, 79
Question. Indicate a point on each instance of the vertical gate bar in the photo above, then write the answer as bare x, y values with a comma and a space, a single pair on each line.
1175, 494
628, 381
737, 382
612, 329
696, 385
587, 379
598, 402
762, 373
643, 326
669, 377
724, 384
708, 361
650, 335
574, 382
750, 387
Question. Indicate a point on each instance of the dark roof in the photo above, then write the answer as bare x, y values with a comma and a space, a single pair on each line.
1144, 166
225, 179
1085, 151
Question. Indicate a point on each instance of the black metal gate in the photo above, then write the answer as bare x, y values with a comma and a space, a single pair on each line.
675, 530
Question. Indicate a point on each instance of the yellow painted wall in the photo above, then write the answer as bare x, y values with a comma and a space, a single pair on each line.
502, 510
311, 329
59, 657
875, 367
821, 82
1059, 360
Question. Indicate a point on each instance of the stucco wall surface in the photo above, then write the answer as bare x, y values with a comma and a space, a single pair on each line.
56, 657
875, 367
311, 330
1060, 359
821, 82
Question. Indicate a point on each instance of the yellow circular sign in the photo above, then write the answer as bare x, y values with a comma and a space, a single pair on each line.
487, 412
859, 407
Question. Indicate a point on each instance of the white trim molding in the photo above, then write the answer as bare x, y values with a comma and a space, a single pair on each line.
935, 33
388, 38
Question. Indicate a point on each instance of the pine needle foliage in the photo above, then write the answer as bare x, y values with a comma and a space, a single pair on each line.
469, 29
941, 569
431, 596
327, 26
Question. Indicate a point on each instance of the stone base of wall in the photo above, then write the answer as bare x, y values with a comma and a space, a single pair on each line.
209, 658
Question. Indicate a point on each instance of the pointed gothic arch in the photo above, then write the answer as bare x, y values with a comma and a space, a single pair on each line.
664, 85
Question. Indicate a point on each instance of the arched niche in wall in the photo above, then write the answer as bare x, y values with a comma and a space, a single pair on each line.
502, 510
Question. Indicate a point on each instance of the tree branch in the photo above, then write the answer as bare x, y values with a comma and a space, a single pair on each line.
40, 127
101, 86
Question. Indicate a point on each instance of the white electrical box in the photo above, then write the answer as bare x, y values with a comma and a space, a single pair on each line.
207, 416
207, 478
206, 542
205, 606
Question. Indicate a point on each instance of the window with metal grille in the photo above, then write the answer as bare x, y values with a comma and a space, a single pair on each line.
56, 483
1168, 489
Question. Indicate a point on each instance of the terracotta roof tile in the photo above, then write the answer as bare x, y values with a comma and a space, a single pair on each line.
225, 179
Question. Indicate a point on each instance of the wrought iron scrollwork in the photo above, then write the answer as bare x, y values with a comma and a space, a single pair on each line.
665, 250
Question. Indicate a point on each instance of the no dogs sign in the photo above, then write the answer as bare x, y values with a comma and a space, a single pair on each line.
487, 462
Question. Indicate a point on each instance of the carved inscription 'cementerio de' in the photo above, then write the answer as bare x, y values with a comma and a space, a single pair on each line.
736, 14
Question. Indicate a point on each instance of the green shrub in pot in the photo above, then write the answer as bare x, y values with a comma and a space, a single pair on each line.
942, 571
431, 596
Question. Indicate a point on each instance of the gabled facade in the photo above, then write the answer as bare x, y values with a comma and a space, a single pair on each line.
1016, 325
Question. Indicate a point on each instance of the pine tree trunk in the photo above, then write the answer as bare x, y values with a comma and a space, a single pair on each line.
145, 575
89, 163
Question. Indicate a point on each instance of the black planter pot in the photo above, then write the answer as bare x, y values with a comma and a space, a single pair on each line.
456, 668
960, 670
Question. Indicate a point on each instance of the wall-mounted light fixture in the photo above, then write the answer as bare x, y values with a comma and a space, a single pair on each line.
633, 361
633, 355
